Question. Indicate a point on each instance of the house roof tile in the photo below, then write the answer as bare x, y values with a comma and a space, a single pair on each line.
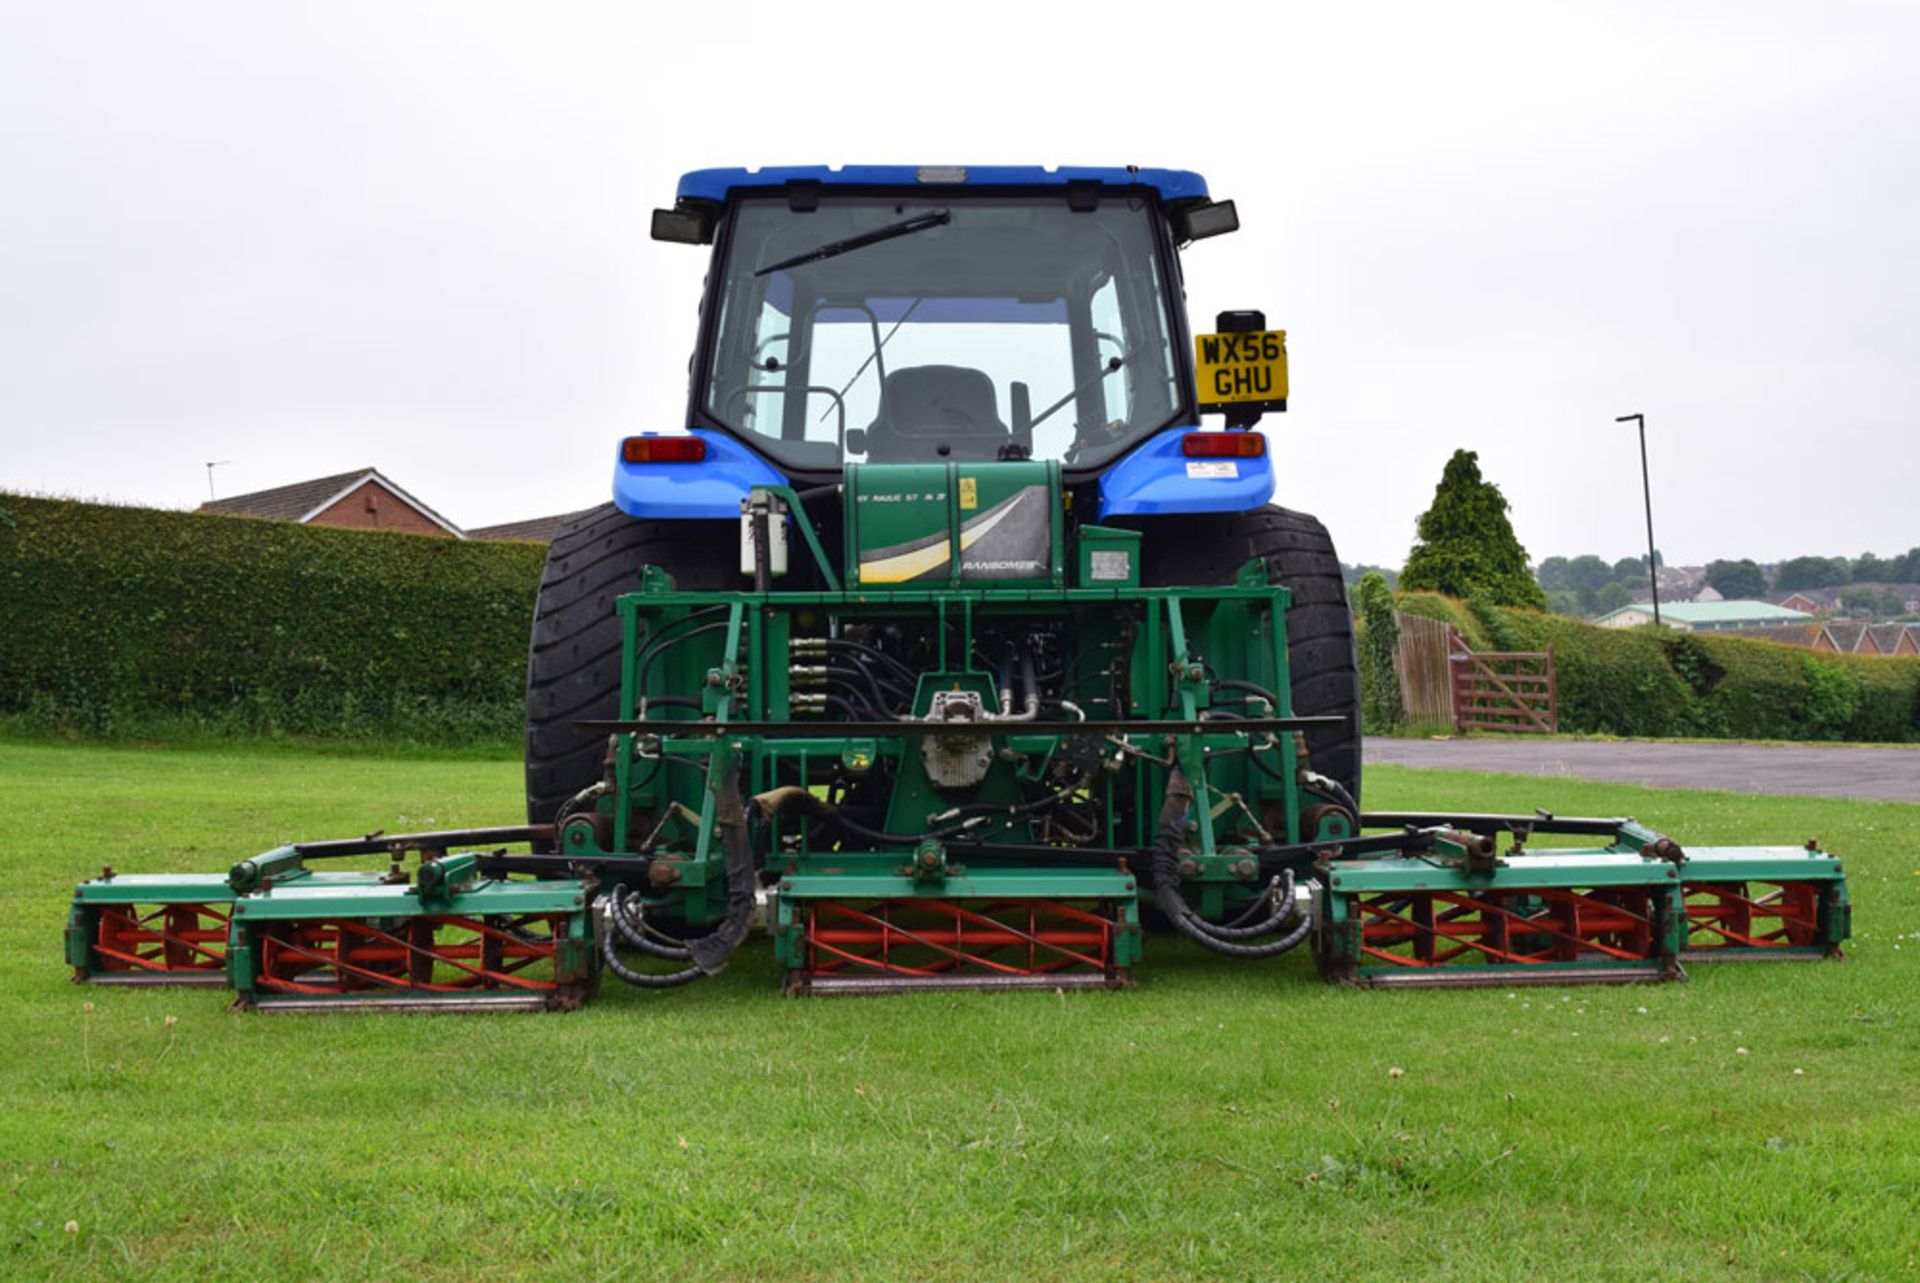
534, 529
286, 503
304, 499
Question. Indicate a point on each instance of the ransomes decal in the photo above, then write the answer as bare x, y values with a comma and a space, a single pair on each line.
1009, 540
899, 564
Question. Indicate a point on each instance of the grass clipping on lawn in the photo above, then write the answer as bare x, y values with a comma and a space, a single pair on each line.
1223, 1120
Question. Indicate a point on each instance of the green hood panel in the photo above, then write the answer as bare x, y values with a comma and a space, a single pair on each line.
943, 523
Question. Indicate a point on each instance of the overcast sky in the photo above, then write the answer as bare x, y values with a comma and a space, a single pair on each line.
308, 238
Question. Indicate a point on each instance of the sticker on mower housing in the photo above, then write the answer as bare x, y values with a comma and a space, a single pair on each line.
1247, 369
1010, 540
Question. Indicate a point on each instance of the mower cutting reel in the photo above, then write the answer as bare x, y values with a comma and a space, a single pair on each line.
1006, 929
459, 934
1450, 908
174, 928
1764, 904
450, 940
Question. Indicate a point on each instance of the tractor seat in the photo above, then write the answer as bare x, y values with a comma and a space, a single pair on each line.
925, 407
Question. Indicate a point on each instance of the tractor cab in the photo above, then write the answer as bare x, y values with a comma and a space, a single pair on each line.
889, 315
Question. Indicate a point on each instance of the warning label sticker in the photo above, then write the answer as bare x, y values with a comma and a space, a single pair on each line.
1110, 566
1213, 468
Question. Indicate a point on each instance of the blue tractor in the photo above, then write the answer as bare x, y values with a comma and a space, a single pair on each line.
925, 393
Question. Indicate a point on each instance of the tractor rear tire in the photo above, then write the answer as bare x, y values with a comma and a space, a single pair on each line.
1298, 553
573, 659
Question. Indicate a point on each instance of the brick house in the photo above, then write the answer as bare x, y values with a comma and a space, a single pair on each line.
1811, 601
1850, 639
1811, 636
1896, 639
1826, 601
362, 500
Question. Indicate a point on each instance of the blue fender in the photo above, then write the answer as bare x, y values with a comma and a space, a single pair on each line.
1157, 479
712, 488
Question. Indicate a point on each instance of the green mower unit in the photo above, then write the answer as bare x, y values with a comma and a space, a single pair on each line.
173, 928
946, 644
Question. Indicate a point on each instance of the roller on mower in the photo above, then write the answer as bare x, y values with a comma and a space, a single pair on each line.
947, 646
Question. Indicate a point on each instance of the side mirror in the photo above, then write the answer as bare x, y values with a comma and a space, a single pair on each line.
856, 441
1022, 398
1209, 218
689, 222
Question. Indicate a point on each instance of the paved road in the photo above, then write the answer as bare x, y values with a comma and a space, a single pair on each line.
1884, 774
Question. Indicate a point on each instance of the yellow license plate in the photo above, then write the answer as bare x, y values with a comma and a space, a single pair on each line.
1242, 369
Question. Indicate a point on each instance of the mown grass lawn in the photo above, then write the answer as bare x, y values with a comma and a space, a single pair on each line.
1221, 1120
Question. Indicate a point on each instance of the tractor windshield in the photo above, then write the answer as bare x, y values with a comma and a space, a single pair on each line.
884, 329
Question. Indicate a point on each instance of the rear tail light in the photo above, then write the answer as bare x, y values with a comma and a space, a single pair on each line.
663, 450
1223, 445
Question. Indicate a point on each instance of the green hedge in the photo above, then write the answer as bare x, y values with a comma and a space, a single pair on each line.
113, 620
1615, 680
1431, 605
1644, 681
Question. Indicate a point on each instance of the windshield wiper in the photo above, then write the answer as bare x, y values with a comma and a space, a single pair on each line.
833, 249
1113, 366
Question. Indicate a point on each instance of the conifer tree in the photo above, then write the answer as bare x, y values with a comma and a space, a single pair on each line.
1466, 545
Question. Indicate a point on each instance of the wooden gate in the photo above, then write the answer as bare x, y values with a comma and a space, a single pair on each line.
1422, 659
1505, 691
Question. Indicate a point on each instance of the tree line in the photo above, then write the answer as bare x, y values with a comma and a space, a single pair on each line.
1591, 585
1466, 548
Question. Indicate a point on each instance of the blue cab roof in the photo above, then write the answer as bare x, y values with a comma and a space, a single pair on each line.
718, 184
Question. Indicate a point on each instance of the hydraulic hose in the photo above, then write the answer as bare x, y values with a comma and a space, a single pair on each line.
660, 648
710, 952
791, 797
673, 701
845, 708
1334, 789
900, 670
1166, 884
627, 920
1239, 929
1245, 915
854, 675
1018, 808
644, 979
759, 518
1249, 688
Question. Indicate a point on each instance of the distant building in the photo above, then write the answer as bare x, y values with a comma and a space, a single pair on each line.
1683, 583
1703, 592
1827, 601
1895, 639
1809, 636
1813, 600
532, 530
1850, 639
1875, 639
1704, 616
362, 500
1837, 637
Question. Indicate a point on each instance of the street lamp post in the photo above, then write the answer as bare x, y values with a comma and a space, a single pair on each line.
1646, 486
